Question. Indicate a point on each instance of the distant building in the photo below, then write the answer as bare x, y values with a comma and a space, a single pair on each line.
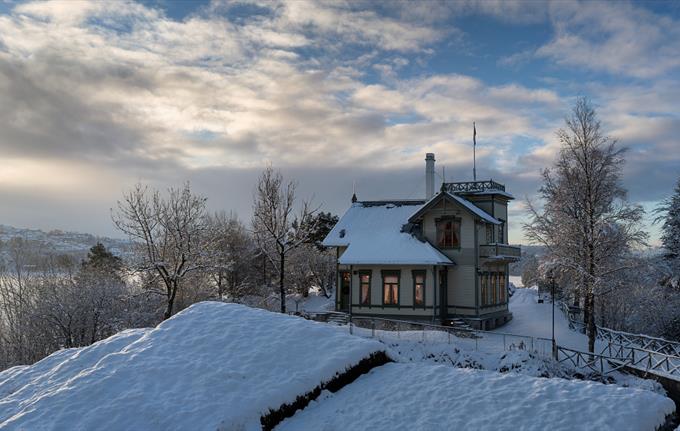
438, 259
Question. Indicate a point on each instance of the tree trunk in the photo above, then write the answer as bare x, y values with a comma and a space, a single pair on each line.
282, 291
171, 300
590, 324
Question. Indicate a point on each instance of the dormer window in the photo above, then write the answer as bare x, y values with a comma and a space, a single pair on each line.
448, 232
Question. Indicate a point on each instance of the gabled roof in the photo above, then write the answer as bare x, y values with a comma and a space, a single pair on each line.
374, 233
466, 204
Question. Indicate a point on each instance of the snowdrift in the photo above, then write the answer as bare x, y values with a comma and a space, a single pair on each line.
436, 397
212, 366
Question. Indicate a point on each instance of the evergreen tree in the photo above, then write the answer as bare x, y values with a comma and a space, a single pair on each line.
669, 213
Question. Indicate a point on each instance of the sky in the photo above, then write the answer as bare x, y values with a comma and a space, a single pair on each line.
97, 96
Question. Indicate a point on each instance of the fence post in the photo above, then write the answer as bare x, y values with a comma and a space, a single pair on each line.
649, 361
372, 328
350, 324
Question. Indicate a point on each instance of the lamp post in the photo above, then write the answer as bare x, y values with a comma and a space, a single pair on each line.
551, 279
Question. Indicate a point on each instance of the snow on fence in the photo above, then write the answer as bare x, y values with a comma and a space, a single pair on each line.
489, 342
643, 352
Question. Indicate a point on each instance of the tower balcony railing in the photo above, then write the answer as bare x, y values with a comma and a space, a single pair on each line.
472, 186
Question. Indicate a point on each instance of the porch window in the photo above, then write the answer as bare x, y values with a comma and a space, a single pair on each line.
501, 232
502, 287
365, 288
494, 285
448, 233
419, 288
390, 288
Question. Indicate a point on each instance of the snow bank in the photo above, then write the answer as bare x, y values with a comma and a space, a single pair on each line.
212, 366
435, 397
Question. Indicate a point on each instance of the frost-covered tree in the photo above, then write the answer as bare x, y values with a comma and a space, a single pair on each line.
669, 213
171, 233
586, 222
231, 262
276, 228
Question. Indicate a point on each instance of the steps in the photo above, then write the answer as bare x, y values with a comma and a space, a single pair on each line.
337, 318
458, 324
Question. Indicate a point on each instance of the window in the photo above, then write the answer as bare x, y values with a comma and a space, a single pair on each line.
489, 234
418, 288
448, 233
494, 286
365, 288
391, 287
501, 232
502, 287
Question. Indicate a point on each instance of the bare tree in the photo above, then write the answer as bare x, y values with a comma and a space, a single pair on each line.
586, 223
276, 228
231, 268
171, 232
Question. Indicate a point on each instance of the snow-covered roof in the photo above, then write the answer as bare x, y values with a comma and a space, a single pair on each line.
475, 210
372, 233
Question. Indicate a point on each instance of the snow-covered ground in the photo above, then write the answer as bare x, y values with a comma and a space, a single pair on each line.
212, 366
223, 366
534, 319
436, 397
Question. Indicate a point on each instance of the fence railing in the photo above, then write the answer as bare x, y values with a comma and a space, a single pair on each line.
645, 342
485, 341
583, 360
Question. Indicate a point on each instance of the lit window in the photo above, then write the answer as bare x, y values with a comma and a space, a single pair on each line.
419, 288
390, 289
448, 233
365, 288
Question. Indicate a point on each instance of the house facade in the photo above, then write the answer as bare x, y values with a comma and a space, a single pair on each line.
436, 259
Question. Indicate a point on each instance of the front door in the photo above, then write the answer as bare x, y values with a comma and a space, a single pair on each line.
344, 290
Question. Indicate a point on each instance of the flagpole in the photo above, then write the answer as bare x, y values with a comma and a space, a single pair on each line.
474, 151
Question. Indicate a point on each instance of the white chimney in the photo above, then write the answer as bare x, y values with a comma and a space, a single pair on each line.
429, 175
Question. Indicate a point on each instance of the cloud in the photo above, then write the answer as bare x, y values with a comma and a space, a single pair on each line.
617, 38
320, 89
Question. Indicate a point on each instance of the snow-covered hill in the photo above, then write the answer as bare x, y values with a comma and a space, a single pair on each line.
217, 366
63, 242
212, 366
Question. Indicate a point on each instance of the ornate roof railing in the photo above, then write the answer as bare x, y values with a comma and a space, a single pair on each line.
472, 186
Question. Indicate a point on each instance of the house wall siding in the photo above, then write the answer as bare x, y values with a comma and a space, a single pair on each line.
405, 306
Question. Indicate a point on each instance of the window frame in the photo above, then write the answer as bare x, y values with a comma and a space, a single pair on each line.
369, 273
457, 222
391, 273
415, 273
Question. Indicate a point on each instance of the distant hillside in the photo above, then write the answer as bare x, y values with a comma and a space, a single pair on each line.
72, 243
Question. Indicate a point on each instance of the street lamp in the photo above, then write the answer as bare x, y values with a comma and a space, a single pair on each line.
551, 279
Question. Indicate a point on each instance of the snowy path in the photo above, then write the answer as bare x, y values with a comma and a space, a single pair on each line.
534, 319
435, 397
